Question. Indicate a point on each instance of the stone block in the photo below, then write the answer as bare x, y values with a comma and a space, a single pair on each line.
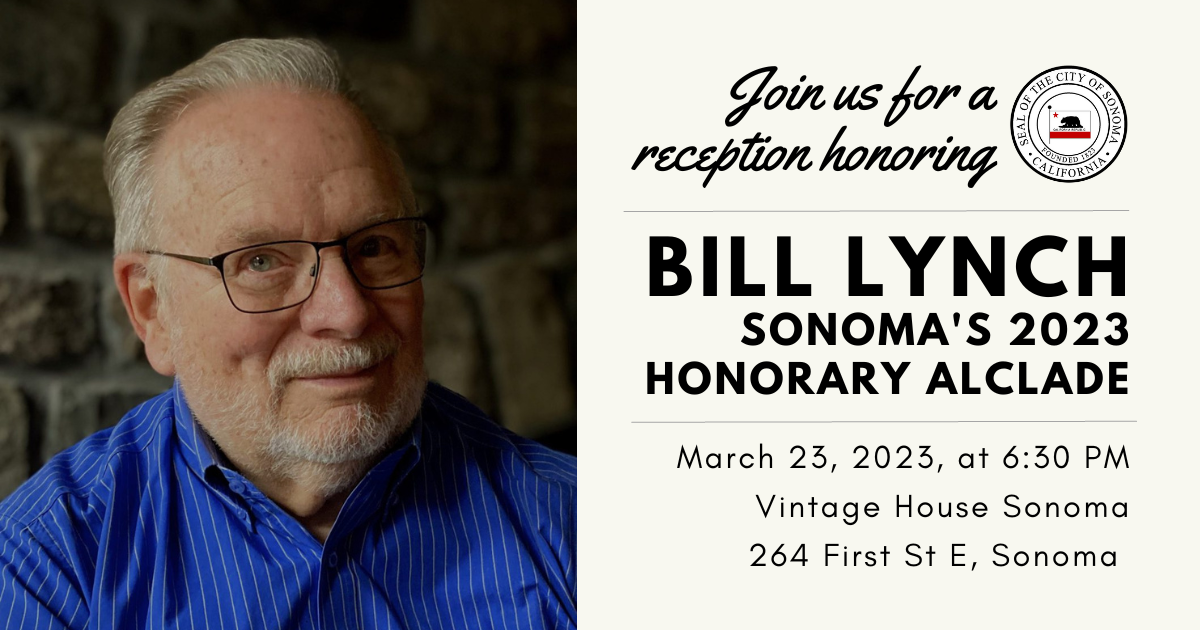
566, 67
168, 46
558, 259
5, 156
453, 344
395, 95
78, 410
463, 130
69, 182
440, 115
526, 337
482, 215
425, 187
545, 144
56, 56
386, 20
14, 438
569, 301
45, 318
515, 31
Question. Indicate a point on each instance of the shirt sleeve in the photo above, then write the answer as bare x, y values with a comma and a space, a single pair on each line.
37, 584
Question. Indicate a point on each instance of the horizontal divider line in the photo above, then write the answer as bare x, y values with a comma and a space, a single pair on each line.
896, 211
873, 421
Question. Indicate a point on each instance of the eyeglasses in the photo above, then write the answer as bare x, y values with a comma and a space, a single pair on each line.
273, 276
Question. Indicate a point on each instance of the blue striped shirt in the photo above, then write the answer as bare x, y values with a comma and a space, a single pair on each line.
463, 525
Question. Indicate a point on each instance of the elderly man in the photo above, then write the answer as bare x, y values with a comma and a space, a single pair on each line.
300, 473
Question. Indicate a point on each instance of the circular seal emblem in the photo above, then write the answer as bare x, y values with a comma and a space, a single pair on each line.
1068, 124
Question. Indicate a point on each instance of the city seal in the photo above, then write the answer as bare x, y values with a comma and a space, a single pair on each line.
1069, 124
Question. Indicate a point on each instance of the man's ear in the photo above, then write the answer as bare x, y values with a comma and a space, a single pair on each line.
141, 300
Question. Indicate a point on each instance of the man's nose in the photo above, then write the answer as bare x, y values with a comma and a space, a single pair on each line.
337, 306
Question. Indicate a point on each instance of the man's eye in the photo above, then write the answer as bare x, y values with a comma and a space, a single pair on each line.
376, 246
262, 263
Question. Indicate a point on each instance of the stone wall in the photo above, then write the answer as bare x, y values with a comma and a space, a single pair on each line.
480, 96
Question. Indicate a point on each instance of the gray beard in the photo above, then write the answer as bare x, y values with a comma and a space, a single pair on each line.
340, 447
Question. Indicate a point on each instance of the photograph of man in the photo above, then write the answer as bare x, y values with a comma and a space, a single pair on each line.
301, 472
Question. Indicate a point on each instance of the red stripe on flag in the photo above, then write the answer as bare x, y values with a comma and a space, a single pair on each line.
1070, 134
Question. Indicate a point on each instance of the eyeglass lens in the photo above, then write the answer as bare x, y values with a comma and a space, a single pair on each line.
280, 275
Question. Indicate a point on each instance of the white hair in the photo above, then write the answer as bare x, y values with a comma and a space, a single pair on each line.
298, 64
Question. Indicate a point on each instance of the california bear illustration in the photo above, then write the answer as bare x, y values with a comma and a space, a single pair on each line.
1071, 121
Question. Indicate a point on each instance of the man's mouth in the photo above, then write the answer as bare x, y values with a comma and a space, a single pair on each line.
350, 368
345, 376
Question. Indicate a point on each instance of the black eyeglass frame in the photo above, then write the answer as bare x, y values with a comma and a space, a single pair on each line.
218, 261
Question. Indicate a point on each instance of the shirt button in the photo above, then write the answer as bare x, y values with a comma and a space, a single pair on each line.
237, 486
332, 560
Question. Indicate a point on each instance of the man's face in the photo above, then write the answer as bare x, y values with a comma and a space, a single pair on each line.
334, 379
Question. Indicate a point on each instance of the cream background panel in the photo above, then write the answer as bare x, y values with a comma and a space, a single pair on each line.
661, 547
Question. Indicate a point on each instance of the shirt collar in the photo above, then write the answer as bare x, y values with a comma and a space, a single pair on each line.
382, 486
